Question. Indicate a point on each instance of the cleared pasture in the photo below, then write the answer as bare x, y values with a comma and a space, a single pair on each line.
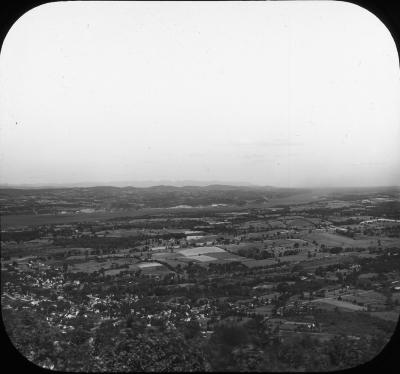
331, 239
200, 251
390, 315
370, 297
255, 263
334, 303
86, 267
236, 247
229, 257
113, 271
174, 262
120, 233
300, 223
324, 259
156, 270
302, 256
320, 336
143, 265
201, 258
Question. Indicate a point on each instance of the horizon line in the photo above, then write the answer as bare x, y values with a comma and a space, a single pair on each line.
179, 184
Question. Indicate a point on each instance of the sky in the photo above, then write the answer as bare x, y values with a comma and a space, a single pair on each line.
291, 94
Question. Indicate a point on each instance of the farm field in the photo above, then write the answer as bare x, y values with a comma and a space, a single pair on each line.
235, 247
122, 233
174, 262
390, 315
144, 265
265, 310
200, 251
324, 259
334, 303
319, 336
87, 266
227, 256
300, 223
331, 239
201, 258
371, 298
200, 254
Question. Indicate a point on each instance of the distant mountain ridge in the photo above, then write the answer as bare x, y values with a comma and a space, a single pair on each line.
138, 184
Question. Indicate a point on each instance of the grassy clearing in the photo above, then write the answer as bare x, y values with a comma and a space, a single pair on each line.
202, 258
300, 223
323, 259
331, 239
200, 251
87, 267
346, 306
255, 263
390, 315
228, 256
143, 265
174, 262
320, 336
370, 297
236, 247
121, 233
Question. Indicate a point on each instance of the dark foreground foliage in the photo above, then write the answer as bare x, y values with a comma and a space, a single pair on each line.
132, 346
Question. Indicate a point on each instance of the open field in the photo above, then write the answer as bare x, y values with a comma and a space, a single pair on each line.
201, 258
143, 265
229, 257
235, 247
265, 310
87, 267
334, 303
174, 262
300, 223
156, 270
331, 239
320, 336
113, 272
255, 263
324, 259
122, 233
200, 251
370, 297
198, 254
390, 315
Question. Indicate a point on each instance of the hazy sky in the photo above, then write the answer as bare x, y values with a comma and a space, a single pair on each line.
273, 93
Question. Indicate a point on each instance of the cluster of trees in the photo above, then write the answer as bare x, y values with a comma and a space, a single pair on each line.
109, 348
392, 231
255, 253
20, 236
390, 209
245, 346
382, 264
113, 242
